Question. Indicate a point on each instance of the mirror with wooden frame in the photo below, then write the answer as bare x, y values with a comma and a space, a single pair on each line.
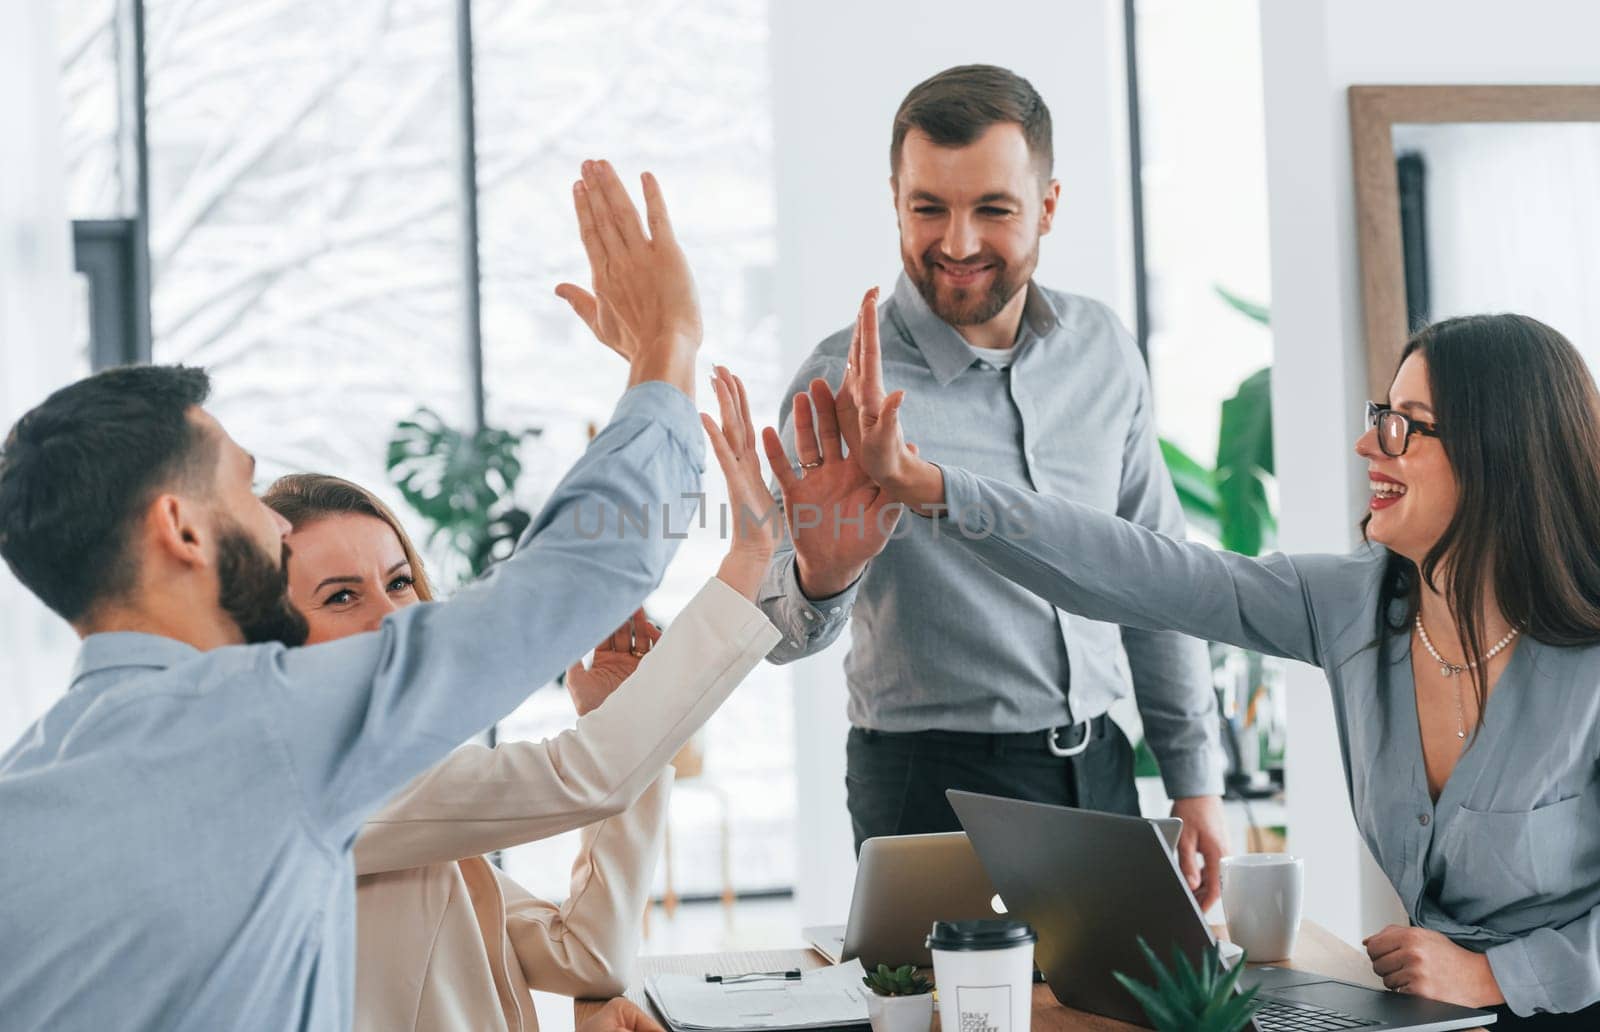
1473, 199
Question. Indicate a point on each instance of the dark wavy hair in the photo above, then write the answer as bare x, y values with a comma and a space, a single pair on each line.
305, 498
1519, 419
79, 470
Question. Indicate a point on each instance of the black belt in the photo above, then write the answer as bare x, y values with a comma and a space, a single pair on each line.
1066, 741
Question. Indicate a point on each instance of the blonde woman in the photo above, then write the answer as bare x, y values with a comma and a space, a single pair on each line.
445, 940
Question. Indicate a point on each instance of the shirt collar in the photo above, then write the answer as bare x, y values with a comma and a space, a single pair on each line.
120, 649
947, 353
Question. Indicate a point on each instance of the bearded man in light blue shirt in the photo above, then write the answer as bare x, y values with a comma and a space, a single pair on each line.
175, 845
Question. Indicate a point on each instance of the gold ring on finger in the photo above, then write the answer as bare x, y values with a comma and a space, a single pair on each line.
811, 465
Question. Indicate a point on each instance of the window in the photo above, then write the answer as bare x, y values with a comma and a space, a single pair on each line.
684, 94
304, 223
1203, 177
306, 241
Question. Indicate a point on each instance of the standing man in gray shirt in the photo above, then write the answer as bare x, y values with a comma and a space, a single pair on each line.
958, 678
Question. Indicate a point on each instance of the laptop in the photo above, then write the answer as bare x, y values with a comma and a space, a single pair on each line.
904, 883
1092, 883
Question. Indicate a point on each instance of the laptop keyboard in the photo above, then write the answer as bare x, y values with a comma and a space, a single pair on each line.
1279, 1016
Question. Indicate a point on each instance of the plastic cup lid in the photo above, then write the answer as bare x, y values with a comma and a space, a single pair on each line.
958, 936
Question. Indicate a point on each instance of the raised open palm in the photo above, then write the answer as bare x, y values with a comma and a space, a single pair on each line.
838, 517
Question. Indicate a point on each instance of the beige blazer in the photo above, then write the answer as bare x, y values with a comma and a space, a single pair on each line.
444, 939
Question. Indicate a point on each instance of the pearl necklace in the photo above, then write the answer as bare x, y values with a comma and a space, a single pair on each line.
1452, 669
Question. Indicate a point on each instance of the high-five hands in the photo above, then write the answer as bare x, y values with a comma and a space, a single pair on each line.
870, 422
644, 305
755, 532
838, 517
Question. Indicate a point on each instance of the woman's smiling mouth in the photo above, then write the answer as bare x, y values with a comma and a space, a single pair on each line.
1385, 491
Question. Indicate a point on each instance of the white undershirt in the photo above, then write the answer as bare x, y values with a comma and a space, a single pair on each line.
999, 358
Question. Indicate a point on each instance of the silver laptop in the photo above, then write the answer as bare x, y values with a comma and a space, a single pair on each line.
904, 883
1092, 884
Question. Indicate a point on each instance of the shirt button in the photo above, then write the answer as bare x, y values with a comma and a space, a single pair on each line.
834, 610
1424, 820
809, 615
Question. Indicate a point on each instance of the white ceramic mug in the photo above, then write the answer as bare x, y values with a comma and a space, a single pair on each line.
1261, 897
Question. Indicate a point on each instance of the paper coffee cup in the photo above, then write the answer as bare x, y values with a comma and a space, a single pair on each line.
1261, 898
983, 971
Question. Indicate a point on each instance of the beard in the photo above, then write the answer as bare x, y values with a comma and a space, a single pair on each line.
968, 306
255, 591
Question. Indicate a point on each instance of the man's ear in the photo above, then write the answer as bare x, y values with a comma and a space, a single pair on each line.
174, 529
1047, 210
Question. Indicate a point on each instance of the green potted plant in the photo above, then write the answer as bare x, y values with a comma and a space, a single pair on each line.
1184, 999
463, 482
900, 1001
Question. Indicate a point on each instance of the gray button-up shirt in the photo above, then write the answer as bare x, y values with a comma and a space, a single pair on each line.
1507, 861
938, 642
175, 832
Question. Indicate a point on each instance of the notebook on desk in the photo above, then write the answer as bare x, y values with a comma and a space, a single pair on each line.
776, 1001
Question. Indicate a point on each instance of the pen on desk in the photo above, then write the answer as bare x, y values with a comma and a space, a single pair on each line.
791, 975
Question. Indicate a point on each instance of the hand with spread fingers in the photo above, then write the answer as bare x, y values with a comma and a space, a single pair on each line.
1421, 962
755, 527
615, 660
643, 304
838, 518
874, 422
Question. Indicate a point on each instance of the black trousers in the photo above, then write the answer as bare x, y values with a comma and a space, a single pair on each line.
895, 783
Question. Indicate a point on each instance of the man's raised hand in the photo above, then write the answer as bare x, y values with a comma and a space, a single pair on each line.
643, 304
875, 437
838, 518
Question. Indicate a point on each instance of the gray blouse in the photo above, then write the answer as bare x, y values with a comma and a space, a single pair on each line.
1507, 862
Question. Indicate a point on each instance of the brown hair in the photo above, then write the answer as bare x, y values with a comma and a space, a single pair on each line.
1519, 420
955, 106
305, 498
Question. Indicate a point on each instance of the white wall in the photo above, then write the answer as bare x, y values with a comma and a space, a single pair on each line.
840, 68
36, 353
1311, 51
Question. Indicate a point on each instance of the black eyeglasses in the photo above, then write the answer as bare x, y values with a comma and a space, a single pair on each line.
1395, 428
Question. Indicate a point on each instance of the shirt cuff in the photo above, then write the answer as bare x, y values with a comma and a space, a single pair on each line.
961, 497
1514, 974
1189, 772
812, 617
659, 401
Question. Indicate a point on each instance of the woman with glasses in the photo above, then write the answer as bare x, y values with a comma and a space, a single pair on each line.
1460, 643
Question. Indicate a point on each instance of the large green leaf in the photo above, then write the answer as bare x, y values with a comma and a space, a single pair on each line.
1244, 464
1196, 486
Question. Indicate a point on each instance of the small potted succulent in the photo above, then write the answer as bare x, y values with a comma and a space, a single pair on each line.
901, 1000
1186, 1000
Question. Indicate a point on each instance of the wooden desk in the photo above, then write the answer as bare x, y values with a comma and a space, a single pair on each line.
1316, 950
